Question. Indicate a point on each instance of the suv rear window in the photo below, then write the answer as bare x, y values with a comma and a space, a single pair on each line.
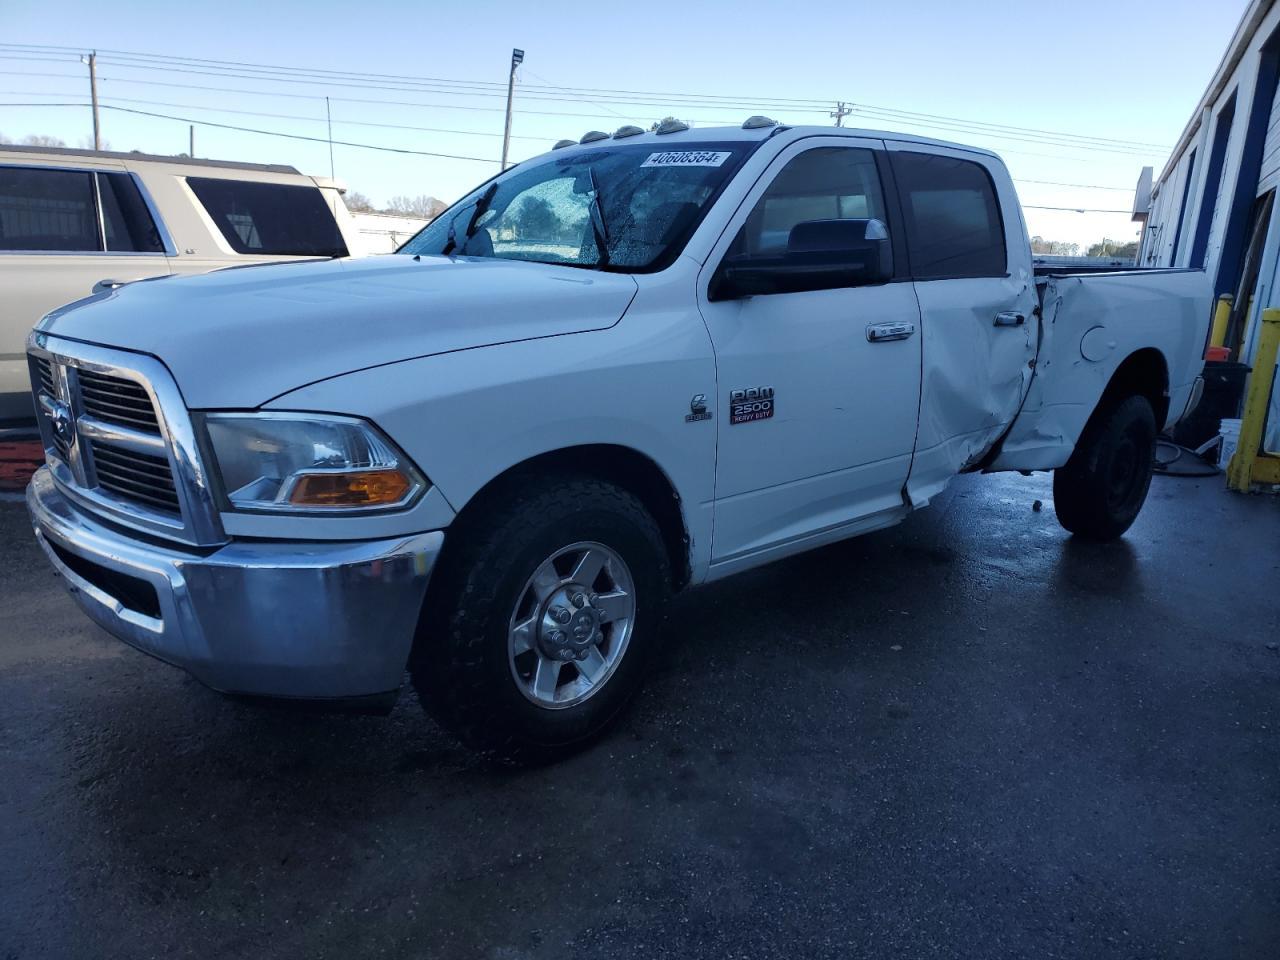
270, 218
953, 218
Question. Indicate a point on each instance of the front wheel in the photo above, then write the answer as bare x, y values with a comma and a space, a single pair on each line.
540, 627
1101, 489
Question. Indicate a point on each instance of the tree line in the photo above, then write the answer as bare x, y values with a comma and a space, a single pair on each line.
423, 206
1103, 248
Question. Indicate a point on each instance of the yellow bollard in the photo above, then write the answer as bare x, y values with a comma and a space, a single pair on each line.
1221, 316
1248, 466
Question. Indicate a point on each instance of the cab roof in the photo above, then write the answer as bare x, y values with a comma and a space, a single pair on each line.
746, 133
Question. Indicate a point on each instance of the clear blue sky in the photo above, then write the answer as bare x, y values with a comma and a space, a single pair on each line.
1119, 69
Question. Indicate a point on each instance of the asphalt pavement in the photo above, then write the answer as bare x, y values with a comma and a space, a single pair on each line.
968, 736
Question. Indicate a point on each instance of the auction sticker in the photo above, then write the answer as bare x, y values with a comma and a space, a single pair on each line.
687, 158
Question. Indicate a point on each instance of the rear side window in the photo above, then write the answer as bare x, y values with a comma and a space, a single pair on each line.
125, 218
270, 218
953, 219
47, 210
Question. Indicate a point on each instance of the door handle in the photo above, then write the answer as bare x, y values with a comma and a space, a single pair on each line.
1010, 318
884, 332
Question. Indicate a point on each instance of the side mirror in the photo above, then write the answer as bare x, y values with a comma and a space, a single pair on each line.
821, 255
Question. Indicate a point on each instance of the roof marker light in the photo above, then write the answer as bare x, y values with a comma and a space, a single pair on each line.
627, 131
671, 126
757, 122
592, 136
561, 144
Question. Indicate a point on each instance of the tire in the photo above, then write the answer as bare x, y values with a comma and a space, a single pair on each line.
1101, 489
465, 665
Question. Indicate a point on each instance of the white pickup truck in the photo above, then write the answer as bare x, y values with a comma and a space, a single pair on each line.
634, 364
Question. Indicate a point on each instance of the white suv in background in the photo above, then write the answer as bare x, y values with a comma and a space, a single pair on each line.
72, 221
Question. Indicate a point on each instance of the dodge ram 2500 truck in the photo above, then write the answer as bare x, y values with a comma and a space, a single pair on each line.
634, 364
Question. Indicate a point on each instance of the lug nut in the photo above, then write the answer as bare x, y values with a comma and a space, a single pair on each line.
565, 655
594, 599
561, 615
558, 636
579, 599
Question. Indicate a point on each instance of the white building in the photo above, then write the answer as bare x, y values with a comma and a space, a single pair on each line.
385, 232
1213, 204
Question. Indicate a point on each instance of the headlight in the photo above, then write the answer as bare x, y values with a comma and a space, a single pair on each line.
292, 462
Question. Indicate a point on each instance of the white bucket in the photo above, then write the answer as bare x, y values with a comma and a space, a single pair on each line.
1230, 433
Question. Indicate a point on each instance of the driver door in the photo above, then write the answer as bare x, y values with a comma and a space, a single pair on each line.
827, 447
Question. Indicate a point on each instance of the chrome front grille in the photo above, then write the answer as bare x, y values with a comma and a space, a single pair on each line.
119, 401
135, 476
46, 384
118, 439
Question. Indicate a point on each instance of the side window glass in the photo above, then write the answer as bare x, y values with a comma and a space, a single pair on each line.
827, 183
125, 217
47, 210
274, 219
953, 219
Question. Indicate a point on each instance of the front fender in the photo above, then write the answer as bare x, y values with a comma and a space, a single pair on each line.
467, 417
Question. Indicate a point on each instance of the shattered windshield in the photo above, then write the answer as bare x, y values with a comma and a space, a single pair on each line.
629, 208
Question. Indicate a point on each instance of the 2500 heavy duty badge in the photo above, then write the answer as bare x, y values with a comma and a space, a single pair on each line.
753, 403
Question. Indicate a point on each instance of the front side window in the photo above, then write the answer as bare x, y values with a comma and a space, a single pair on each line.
826, 183
953, 218
622, 207
47, 210
272, 219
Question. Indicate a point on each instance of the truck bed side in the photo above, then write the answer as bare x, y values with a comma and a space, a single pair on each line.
1091, 324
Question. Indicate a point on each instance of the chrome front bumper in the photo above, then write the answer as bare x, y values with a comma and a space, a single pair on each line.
276, 619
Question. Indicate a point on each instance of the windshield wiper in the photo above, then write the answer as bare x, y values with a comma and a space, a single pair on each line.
481, 205
598, 226
451, 243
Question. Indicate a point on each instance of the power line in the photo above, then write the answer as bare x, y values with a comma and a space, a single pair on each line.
294, 116
319, 97
278, 73
269, 133
1034, 206
1081, 186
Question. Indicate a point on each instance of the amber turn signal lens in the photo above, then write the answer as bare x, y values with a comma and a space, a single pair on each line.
363, 489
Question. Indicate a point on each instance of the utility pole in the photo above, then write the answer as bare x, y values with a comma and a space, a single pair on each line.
840, 112
93, 95
191, 135
328, 115
517, 58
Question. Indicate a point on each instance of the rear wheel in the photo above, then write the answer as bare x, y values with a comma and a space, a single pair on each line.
1101, 489
543, 619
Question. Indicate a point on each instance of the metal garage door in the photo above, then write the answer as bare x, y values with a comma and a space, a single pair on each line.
1269, 175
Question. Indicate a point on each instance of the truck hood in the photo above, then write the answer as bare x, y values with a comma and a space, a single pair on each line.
239, 337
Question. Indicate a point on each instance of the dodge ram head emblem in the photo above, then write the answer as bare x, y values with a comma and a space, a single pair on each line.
60, 415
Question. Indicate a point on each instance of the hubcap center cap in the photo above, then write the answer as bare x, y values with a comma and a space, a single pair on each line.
570, 624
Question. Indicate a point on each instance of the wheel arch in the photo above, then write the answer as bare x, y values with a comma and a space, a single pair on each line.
623, 466
1145, 372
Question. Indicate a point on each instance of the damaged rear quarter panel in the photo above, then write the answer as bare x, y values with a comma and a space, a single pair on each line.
1119, 314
